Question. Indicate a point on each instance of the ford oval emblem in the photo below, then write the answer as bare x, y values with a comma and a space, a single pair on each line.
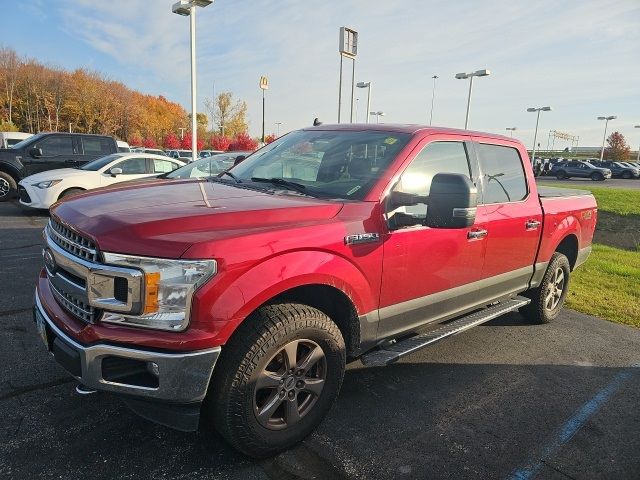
49, 260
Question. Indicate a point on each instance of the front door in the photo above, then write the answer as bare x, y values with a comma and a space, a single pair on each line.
58, 151
132, 169
428, 273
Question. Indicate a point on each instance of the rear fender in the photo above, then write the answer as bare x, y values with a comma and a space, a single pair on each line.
555, 231
223, 306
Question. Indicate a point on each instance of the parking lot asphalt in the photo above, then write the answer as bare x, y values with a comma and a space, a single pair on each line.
503, 400
587, 182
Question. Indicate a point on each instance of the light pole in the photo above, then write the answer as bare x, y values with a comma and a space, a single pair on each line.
511, 129
462, 76
264, 85
187, 8
278, 128
638, 157
606, 122
366, 85
377, 114
535, 135
433, 97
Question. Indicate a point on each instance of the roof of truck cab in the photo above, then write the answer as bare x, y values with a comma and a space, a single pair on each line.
406, 128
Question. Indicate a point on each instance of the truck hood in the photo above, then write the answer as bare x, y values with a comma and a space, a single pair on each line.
164, 219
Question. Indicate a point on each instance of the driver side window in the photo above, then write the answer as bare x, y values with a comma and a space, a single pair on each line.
56, 145
436, 157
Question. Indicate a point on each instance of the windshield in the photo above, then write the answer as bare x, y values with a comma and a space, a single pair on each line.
27, 141
205, 167
101, 162
337, 164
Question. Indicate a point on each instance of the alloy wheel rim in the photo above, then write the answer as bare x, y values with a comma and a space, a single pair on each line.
4, 187
290, 384
555, 287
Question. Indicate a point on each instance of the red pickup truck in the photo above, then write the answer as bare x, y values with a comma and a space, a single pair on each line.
242, 296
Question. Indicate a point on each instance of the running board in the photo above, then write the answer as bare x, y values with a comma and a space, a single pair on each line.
396, 351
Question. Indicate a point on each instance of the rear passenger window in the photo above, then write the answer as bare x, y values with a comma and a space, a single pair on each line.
504, 179
96, 146
163, 166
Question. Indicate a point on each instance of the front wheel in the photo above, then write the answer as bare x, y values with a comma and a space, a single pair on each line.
597, 177
8, 187
626, 175
276, 379
547, 299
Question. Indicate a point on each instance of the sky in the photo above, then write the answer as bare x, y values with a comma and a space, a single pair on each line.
580, 57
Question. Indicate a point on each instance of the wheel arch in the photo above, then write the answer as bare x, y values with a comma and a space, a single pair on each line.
67, 189
11, 170
569, 246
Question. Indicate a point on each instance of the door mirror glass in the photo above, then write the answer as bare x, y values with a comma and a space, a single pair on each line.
115, 171
452, 201
35, 152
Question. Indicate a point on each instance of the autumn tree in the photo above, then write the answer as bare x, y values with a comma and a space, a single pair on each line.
243, 141
229, 115
617, 148
220, 142
270, 138
9, 66
171, 141
185, 144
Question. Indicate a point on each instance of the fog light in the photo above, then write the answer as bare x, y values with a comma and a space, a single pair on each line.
153, 368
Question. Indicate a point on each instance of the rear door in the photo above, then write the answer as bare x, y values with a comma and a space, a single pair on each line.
428, 273
513, 217
95, 147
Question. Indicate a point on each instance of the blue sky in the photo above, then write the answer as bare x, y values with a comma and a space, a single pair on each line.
580, 57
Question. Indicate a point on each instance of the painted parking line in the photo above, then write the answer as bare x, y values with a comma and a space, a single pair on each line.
575, 423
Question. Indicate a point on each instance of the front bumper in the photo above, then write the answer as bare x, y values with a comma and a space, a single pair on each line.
33, 197
180, 378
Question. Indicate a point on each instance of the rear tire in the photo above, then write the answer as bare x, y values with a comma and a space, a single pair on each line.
597, 177
8, 187
547, 299
276, 379
626, 175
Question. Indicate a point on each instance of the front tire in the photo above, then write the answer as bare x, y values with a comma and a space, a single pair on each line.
70, 193
547, 300
597, 177
276, 379
626, 175
8, 187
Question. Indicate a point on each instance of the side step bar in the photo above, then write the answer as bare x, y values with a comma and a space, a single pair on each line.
396, 351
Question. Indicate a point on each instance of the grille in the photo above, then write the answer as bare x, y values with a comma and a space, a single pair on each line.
24, 195
72, 242
74, 306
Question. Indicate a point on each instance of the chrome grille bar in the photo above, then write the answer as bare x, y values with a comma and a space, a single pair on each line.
71, 241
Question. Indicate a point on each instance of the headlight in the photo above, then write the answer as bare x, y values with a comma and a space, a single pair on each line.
47, 183
168, 288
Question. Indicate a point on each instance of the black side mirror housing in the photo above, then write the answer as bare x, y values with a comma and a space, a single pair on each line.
239, 159
453, 199
35, 152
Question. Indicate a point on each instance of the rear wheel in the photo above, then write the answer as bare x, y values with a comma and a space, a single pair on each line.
597, 177
547, 300
276, 379
8, 187
626, 175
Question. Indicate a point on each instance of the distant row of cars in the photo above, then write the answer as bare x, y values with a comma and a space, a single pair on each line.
594, 169
43, 168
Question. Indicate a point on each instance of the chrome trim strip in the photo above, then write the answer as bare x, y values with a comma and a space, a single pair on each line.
184, 377
62, 238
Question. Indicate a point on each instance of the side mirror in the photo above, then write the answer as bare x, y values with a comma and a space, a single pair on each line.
35, 152
238, 159
452, 201
115, 172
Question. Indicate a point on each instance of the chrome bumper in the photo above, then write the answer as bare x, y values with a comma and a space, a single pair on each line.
180, 377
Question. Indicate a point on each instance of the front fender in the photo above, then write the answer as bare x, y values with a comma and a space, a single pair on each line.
224, 305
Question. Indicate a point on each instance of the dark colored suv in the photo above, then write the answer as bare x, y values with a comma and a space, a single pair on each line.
580, 170
619, 169
48, 151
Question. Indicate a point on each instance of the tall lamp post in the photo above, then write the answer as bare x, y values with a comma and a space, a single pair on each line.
604, 137
433, 97
535, 135
638, 157
348, 47
377, 114
511, 129
366, 85
264, 85
187, 8
462, 76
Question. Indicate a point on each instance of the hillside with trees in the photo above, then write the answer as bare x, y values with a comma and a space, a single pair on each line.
35, 97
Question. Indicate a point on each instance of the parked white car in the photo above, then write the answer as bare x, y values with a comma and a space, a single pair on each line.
45, 188
9, 139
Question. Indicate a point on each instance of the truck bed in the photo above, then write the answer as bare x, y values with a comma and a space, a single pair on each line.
551, 192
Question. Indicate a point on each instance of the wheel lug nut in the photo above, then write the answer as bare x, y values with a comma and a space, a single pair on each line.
292, 394
299, 373
300, 384
281, 381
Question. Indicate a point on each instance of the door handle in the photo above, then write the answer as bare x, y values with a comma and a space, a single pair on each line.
476, 234
532, 224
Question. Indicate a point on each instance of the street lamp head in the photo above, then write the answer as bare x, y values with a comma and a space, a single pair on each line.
462, 76
546, 109
183, 7
512, 128
202, 3
482, 73
531, 109
363, 84
610, 117
435, 76
380, 113
636, 126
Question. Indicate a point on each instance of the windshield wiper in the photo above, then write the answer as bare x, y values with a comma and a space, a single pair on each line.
232, 176
298, 187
